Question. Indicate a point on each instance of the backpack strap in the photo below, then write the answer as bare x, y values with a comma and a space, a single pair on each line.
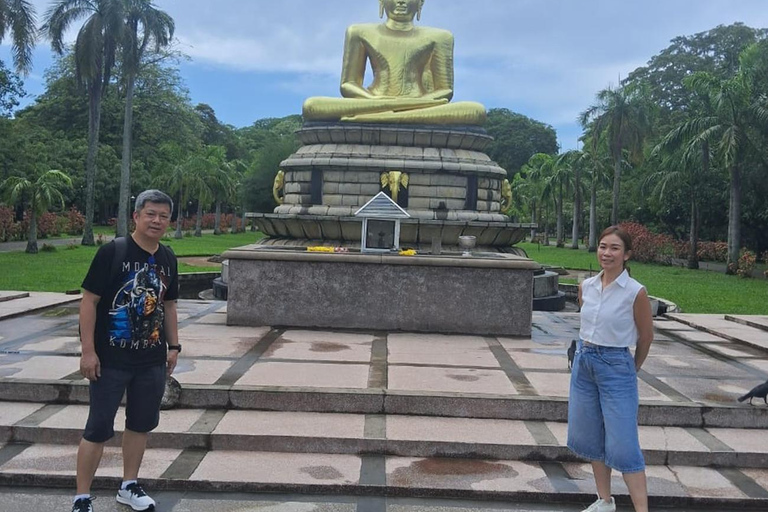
121, 249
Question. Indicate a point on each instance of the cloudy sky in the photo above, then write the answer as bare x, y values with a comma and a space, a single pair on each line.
252, 59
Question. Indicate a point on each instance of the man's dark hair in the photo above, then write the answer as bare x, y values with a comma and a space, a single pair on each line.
152, 196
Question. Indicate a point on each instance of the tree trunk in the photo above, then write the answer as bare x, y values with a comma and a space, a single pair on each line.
125, 163
199, 222
560, 241
576, 209
32, 232
593, 216
217, 219
242, 224
533, 221
734, 220
94, 120
179, 213
616, 188
693, 249
546, 225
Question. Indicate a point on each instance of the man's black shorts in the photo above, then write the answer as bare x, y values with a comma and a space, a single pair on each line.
144, 387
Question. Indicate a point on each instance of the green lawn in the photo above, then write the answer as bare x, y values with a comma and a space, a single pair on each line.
695, 291
65, 268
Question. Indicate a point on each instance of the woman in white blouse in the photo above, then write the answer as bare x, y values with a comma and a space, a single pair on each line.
603, 401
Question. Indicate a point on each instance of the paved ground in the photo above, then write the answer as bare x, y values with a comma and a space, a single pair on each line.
37, 500
338, 413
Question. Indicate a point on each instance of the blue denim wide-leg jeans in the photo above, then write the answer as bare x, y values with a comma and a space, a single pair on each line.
602, 408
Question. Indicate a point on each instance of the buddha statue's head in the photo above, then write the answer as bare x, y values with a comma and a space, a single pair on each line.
401, 10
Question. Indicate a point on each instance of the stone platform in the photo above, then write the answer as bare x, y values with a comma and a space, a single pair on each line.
449, 294
372, 413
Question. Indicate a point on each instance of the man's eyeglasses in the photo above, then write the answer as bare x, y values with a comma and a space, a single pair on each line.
164, 217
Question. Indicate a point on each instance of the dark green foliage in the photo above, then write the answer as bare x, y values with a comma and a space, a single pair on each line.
517, 138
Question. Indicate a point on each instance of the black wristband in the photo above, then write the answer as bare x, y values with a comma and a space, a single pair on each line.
175, 347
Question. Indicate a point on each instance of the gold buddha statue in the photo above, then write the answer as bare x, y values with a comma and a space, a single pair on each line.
412, 74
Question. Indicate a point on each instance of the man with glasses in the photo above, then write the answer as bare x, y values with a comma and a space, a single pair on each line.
129, 337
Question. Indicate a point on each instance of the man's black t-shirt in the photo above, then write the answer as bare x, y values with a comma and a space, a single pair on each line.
129, 316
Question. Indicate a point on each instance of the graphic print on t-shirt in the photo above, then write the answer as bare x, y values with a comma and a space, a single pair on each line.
136, 314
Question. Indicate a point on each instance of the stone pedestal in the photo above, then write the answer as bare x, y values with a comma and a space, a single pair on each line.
446, 294
454, 188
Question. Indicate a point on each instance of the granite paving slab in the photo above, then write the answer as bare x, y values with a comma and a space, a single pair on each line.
453, 380
306, 375
718, 325
756, 321
436, 349
35, 301
276, 423
266, 467
327, 346
46, 459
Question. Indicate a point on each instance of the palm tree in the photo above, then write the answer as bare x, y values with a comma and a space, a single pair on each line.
734, 111
575, 159
39, 194
556, 184
95, 49
18, 18
144, 25
623, 115
175, 180
537, 170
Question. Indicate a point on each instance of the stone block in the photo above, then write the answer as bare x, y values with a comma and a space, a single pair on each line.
332, 176
338, 136
388, 137
294, 229
415, 191
468, 167
454, 139
405, 137
439, 139
312, 230
447, 154
419, 179
413, 153
354, 136
369, 177
369, 137
331, 229
483, 206
339, 211
431, 154
350, 230
349, 188
360, 151
467, 216
409, 232
370, 189
332, 199
317, 210
451, 166
354, 291
422, 139
421, 203
292, 188
351, 200
452, 192
331, 188
321, 161
301, 176
394, 164
379, 152
447, 180
338, 162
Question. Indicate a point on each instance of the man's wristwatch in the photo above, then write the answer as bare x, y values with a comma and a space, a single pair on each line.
175, 347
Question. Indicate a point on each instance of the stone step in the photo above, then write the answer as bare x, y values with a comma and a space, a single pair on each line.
378, 401
756, 321
375, 475
6, 296
392, 435
723, 327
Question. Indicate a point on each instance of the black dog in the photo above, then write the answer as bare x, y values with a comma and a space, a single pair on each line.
571, 354
760, 391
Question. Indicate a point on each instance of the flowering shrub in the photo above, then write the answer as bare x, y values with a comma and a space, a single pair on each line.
47, 225
745, 264
765, 257
648, 246
8, 227
75, 222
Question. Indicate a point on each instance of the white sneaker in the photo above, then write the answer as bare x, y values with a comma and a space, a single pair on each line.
135, 497
602, 506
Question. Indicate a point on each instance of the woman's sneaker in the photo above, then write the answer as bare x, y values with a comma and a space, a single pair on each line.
83, 505
135, 497
602, 506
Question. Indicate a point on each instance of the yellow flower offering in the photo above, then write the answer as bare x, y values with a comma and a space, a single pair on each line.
320, 248
407, 252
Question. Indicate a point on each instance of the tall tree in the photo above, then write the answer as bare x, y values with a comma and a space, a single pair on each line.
38, 195
11, 89
623, 115
95, 49
575, 160
145, 25
18, 18
537, 171
516, 138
